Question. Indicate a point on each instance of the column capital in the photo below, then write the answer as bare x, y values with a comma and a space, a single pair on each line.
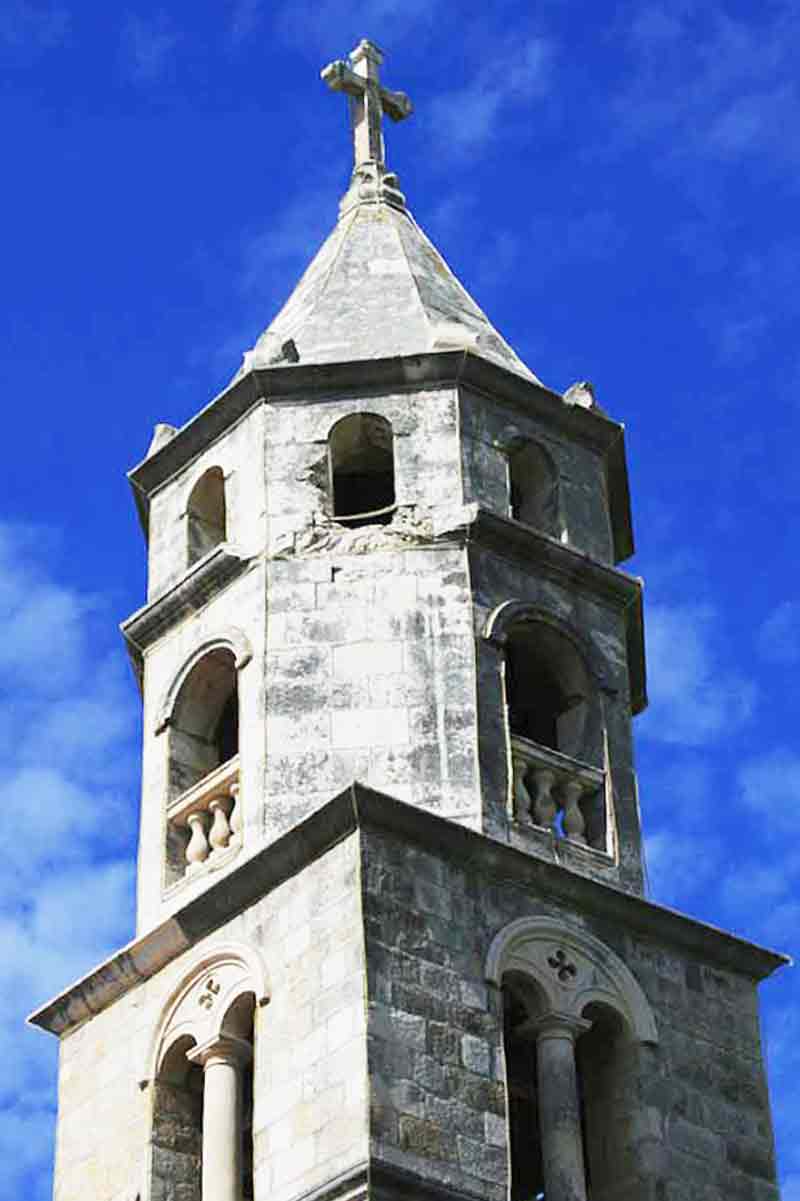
225, 1048
566, 1027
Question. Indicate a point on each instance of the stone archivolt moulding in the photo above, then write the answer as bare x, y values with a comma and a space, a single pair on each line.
230, 638
572, 970
197, 1008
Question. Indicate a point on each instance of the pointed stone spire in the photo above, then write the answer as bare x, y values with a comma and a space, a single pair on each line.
377, 288
359, 78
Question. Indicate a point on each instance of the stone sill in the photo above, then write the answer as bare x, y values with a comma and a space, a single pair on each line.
525, 836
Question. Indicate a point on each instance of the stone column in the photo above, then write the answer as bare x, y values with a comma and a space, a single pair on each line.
223, 1060
559, 1110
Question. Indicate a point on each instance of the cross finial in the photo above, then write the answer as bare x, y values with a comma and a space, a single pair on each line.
359, 77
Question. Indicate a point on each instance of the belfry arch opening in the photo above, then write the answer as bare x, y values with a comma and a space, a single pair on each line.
202, 1123
547, 688
361, 466
204, 725
526, 1168
533, 489
206, 518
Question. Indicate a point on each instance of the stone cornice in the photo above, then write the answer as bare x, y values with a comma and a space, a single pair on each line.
405, 373
207, 577
360, 808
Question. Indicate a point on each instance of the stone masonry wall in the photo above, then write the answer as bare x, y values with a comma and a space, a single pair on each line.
310, 1077
692, 1113
490, 432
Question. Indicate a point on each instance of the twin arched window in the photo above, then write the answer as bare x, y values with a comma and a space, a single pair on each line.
202, 1112
574, 1023
361, 466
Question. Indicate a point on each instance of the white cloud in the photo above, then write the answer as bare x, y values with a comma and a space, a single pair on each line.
694, 695
712, 85
679, 866
336, 26
148, 45
779, 636
790, 1188
770, 787
465, 118
68, 716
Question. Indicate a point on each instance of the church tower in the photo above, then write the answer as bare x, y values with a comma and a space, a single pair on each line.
391, 934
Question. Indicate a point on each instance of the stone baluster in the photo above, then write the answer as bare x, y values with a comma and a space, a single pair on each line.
574, 822
544, 805
222, 1060
522, 798
197, 850
559, 1109
220, 830
235, 817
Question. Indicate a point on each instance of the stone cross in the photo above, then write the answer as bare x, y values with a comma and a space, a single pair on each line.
359, 77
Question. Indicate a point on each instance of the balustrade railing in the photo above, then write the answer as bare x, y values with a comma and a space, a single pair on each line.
550, 788
208, 815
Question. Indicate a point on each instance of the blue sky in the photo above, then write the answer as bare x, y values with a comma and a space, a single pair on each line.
617, 185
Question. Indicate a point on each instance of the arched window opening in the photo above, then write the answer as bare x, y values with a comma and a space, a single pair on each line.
547, 688
204, 726
204, 820
361, 458
205, 515
600, 1056
519, 1045
177, 1136
533, 488
554, 783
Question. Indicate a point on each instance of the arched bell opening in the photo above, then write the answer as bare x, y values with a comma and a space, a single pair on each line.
533, 489
205, 515
521, 1004
177, 1129
204, 724
361, 465
547, 688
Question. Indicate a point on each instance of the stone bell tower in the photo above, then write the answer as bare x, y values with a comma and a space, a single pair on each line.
391, 936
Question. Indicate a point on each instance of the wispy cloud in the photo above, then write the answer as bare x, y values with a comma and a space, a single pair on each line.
770, 786
709, 83
67, 810
245, 18
779, 636
336, 26
694, 695
28, 26
148, 45
465, 118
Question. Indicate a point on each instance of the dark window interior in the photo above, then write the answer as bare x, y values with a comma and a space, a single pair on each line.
226, 737
362, 470
535, 697
527, 1173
